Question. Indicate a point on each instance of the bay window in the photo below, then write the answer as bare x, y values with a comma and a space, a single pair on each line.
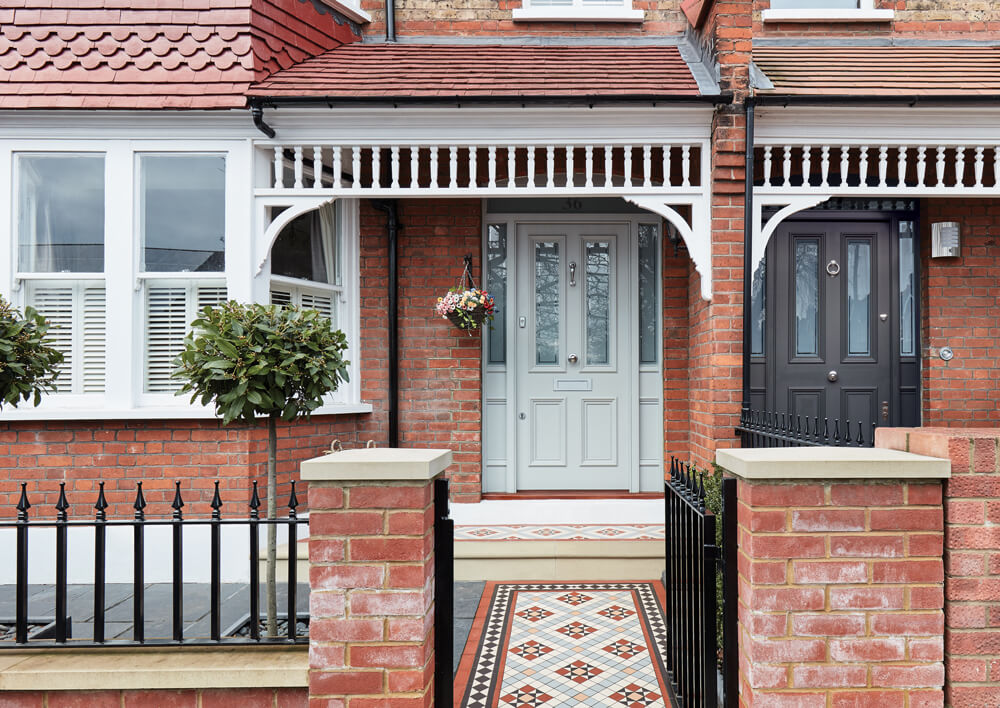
60, 258
182, 236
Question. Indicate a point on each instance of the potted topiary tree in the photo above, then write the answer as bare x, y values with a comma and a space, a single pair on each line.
262, 361
28, 366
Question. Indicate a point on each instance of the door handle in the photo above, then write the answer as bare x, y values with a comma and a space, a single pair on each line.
572, 274
573, 358
885, 410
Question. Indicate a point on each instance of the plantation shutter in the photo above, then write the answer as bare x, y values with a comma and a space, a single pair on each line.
170, 310
77, 315
55, 303
281, 297
323, 302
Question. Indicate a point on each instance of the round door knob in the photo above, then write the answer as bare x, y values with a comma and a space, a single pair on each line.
832, 376
573, 358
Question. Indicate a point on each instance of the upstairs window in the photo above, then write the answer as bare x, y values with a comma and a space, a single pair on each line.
832, 10
578, 10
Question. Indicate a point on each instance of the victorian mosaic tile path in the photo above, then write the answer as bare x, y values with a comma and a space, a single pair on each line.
560, 532
537, 645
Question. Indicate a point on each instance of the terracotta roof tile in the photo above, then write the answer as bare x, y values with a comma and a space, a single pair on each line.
153, 53
410, 70
886, 71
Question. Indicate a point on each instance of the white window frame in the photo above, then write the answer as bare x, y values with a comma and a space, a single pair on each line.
865, 12
124, 397
578, 11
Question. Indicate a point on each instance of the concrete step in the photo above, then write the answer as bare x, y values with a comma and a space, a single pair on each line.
558, 560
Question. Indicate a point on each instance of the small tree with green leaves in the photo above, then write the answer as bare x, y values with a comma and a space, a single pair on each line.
253, 361
28, 365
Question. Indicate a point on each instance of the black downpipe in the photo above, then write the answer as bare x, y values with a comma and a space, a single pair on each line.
390, 207
390, 20
747, 248
257, 112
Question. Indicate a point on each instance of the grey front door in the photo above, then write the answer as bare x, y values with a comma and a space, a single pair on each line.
833, 317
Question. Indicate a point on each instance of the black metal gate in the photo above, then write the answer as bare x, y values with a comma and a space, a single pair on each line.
701, 574
444, 600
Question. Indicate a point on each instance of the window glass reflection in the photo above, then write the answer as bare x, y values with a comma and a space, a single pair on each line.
806, 298
546, 302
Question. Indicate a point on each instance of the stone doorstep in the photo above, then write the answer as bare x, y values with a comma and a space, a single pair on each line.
145, 668
558, 560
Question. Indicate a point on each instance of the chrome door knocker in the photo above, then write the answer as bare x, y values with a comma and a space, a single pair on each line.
833, 269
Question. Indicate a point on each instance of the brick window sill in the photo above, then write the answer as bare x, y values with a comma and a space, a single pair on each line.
827, 15
142, 668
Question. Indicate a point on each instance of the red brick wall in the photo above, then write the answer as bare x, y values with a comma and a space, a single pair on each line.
942, 18
486, 17
961, 309
715, 328
971, 555
841, 594
676, 391
160, 698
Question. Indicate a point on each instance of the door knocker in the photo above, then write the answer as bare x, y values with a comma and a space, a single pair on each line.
833, 269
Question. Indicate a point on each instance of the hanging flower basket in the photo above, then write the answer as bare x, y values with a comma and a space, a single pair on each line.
466, 306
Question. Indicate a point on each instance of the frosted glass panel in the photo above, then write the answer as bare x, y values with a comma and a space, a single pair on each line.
546, 302
648, 284
758, 309
907, 285
806, 298
859, 289
598, 301
496, 285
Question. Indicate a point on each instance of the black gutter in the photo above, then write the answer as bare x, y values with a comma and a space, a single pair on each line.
390, 207
275, 101
853, 99
747, 246
257, 111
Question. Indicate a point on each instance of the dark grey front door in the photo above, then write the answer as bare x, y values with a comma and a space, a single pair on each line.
834, 321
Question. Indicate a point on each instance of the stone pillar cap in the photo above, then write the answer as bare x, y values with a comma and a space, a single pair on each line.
795, 463
377, 464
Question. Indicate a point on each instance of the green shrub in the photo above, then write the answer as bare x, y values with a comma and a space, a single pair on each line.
28, 365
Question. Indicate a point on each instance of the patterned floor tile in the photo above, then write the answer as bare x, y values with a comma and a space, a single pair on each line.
561, 532
570, 644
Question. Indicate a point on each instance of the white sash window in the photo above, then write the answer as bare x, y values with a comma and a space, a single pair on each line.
574, 10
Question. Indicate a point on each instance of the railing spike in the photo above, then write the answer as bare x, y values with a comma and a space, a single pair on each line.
847, 432
816, 428
177, 504
826, 429
861, 434
836, 431
101, 504
140, 502
23, 504
798, 426
216, 502
254, 502
293, 502
62, 504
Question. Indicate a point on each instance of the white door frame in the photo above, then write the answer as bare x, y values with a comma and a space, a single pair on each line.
631, 253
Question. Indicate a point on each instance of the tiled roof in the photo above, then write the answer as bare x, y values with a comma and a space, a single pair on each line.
155, 54
441, 71
880, 70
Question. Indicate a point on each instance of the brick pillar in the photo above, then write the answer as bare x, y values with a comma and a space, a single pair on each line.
840, 578
972, 555
371, 576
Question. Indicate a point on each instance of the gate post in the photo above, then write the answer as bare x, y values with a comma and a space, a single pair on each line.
841, 577
371, 577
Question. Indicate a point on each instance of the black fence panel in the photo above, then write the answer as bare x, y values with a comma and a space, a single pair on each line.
101, 525
444, 598
773, 429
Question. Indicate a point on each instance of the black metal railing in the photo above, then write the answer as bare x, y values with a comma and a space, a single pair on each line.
100, 525
771, 429
444, 598
701, 574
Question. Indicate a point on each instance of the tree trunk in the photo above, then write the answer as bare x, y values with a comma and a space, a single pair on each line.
272, 529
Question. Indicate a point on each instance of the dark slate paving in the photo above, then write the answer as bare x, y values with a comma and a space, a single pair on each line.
467, 597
